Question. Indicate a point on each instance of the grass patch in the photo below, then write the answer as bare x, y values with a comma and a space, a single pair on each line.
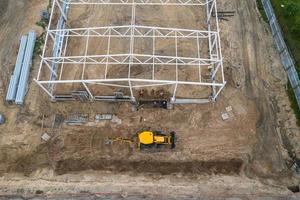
261, 10
49, 6
39, 43
293, 101
41, 39
288, 15
288, 23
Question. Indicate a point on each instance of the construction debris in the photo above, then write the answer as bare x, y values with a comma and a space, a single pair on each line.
225, 116
116, 120
82, 96
223, 15
45, 137
228, 109
2, 119
228, 113
77, 119
103, 117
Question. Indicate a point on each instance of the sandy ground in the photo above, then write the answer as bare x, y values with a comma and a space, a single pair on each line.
246, 155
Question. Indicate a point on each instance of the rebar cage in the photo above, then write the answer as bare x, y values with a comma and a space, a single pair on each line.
129, 54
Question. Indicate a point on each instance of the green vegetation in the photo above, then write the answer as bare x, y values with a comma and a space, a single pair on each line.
43, 22
293, 101
38, 45
40, 39
288, 15
49, 6
261, 10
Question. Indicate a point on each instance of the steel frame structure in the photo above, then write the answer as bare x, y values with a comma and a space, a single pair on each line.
60, 35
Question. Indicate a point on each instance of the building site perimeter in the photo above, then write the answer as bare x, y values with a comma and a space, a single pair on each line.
105, 71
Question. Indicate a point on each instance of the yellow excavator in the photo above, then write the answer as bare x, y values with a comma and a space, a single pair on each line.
148, 139
156, 139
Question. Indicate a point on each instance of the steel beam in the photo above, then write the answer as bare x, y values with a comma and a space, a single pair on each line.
131, 32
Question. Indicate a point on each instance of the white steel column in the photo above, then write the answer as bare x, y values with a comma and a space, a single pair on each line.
153, 53
176, 85
84, 66
219, 45
88, 90
51, 35
219, 91
49, 67
64, 53
85, 56
51, 96
198, 53
128, 32
108, 49
208, 26
46, 39
131, 50
61, 10
209, 10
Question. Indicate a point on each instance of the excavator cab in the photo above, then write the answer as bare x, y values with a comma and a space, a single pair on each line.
156, 139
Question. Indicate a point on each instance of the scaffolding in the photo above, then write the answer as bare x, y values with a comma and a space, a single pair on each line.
59, 34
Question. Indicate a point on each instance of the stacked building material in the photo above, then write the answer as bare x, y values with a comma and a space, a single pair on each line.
19, 80
2, 119
26, 68
14, 81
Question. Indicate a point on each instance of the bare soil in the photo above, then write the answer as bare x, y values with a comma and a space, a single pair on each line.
245, 155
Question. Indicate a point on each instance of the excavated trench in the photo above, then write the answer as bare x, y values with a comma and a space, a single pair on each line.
163, 168
68, 164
